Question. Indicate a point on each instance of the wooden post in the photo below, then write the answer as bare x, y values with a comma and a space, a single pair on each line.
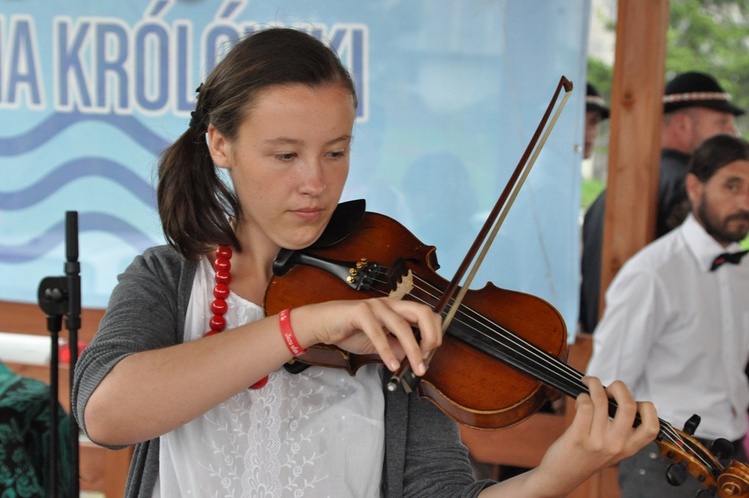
635, 137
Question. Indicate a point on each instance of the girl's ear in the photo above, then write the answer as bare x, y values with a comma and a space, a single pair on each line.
219, 147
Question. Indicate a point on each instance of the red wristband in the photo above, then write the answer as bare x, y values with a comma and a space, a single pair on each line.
284, 320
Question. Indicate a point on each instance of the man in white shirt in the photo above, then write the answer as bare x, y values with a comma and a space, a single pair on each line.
695, 107
676, 324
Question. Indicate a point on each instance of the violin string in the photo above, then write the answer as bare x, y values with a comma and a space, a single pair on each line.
568, 379
565, 374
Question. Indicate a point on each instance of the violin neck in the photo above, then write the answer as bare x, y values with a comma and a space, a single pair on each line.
541, 366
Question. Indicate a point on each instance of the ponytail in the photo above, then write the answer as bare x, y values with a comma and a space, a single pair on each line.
195, 204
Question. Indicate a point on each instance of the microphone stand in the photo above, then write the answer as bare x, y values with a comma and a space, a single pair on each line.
58, 297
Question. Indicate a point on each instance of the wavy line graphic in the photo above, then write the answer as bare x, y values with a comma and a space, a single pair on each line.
87, 222
56, 123
73, 170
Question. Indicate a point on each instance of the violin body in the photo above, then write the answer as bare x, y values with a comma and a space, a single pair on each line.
468, 384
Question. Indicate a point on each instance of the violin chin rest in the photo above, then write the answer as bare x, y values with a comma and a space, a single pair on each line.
343, 222
345, 219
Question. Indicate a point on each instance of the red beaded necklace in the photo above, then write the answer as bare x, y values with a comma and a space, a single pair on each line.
222, 266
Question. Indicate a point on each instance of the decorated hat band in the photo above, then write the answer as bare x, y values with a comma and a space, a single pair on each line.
592, 99
695, 96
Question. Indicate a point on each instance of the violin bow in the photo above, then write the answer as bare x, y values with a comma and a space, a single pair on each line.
404, 376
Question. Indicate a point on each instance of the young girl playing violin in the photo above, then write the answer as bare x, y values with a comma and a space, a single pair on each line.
186, 366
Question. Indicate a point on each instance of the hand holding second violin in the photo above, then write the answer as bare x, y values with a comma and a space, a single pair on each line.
380, 326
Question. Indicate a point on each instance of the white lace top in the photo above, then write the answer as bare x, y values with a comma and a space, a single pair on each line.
319, 433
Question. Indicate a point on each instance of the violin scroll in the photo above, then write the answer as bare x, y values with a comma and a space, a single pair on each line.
690, 456
734, 481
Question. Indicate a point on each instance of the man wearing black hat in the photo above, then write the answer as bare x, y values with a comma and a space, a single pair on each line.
595, 112
695, 108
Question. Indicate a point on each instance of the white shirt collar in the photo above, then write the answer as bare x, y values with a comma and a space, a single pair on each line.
701, 244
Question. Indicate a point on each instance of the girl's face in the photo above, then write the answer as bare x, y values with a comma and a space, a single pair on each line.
289, 162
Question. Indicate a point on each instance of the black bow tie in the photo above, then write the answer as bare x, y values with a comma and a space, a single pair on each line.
727, 257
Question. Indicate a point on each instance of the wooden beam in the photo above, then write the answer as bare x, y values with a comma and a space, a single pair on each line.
635, 136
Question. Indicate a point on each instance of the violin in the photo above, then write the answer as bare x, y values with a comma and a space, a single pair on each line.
503, 352
503, 356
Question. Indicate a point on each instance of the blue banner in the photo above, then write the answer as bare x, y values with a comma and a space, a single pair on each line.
450, 92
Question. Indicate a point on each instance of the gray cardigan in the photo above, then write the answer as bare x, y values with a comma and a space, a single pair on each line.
423, 452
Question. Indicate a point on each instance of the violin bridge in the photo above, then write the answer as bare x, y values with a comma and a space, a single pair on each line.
403, 287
